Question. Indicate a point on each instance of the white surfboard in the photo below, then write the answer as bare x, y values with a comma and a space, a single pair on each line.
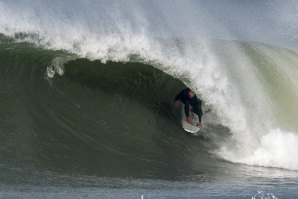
187, 126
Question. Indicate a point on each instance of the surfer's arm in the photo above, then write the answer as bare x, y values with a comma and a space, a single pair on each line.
177, 100
186, 109
177, 103
178, 97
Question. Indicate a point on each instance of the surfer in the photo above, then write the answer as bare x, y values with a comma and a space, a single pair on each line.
189, 98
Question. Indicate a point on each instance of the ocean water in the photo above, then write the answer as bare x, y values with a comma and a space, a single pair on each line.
87, 91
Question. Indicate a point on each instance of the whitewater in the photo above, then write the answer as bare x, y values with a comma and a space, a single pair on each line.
251, 86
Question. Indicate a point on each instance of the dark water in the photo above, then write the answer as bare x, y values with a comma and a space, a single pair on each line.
114, 119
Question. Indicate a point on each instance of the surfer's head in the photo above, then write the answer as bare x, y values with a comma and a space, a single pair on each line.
191, 93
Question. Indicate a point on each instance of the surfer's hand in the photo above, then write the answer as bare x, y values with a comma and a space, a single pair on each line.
177, 103
188, 119
199, 124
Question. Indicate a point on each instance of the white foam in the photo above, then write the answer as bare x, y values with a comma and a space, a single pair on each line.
275, 149
57, 66
264, 195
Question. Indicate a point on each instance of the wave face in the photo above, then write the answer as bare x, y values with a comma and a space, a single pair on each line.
112, 119
106, 112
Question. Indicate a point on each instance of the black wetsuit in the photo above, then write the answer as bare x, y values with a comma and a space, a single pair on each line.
195, 103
